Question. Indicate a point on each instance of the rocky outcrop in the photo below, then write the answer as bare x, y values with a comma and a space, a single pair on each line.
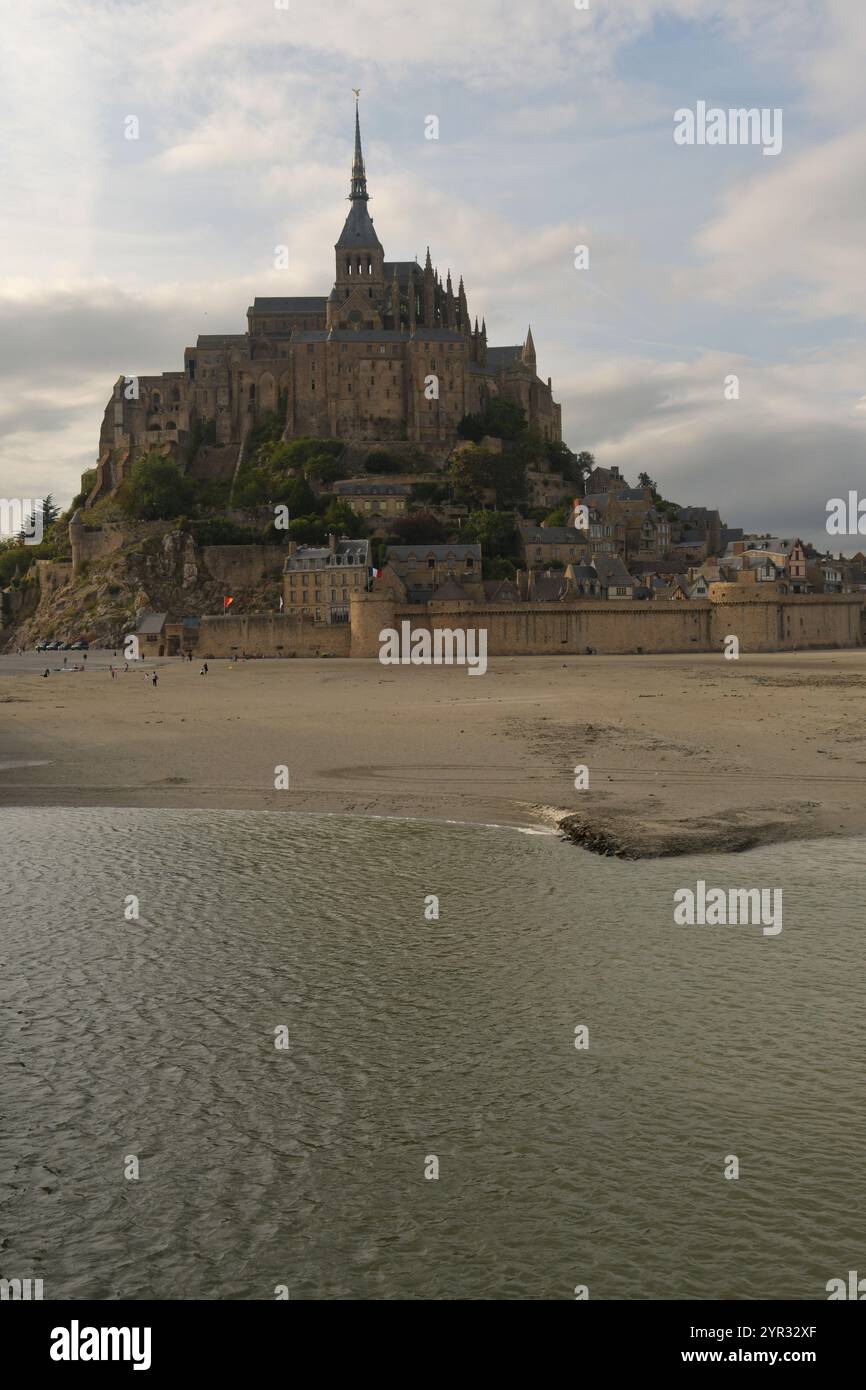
167, 573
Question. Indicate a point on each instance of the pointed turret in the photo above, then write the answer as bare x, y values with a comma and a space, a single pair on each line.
450, 304
428, 304
359, 174
462, 309
482, 344
528, 353
358, 234
359, 293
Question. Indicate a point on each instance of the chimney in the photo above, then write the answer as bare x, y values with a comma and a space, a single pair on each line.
332, 542
292, 548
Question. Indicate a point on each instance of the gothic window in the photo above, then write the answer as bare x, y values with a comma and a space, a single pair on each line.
175, 395
369, 266
157, 400
348, 266
252, 392
359, 265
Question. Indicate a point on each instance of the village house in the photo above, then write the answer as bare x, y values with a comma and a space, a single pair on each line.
317, 580
824, 575
544, 546
375, 501
614, 579
545, 489
605, 480
421, 569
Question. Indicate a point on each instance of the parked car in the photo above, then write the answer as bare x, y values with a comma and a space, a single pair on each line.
52, 646
42, 646
79, 646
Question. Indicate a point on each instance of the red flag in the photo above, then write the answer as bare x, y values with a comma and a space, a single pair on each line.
227, 602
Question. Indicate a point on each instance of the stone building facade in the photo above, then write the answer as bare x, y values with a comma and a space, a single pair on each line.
391, 353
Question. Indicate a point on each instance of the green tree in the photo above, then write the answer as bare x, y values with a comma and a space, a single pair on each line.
495, 532
340, 520
418, 528
471, 473
428, 492
325, 468
501, 417
307, 530
156, 490
380, 461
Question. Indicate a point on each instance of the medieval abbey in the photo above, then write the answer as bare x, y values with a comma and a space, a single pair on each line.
389, 355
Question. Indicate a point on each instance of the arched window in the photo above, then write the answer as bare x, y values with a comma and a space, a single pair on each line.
175, 395
170, 425
156, 400
252, 392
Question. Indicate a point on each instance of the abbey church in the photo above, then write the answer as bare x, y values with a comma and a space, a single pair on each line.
391, 354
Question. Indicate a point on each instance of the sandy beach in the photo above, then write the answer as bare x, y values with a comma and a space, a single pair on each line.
683, 752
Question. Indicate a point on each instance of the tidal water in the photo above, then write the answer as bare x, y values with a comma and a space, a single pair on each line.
410, 1039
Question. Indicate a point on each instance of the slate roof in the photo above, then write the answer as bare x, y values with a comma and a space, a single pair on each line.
547, 589
612, 572
499, 357
551, 535
295, 304
151, 624
404, 270
450, 590
358, 231
371, 489
503, 590
346, 552
440, 553
216, 340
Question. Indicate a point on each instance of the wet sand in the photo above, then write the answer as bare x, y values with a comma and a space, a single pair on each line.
684, 752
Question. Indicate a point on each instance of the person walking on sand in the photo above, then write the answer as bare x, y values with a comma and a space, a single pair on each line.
155, 680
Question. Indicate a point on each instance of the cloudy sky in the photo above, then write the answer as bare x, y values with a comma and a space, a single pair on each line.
555, 130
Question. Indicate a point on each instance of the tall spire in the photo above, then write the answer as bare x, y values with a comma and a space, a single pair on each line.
359, 176
358, 232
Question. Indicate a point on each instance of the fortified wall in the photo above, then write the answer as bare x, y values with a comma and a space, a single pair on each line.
270, 634
613, 627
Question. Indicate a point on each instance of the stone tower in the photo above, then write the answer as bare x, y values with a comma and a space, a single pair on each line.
358, 297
